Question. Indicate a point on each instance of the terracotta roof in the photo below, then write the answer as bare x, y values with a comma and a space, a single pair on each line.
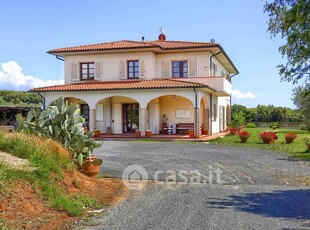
126, 44
122, 85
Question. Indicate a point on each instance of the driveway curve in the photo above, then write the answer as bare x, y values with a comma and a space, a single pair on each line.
257, 189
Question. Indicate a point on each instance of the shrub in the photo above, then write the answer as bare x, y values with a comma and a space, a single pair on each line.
305, 127
275, 124
250, 125
238, 119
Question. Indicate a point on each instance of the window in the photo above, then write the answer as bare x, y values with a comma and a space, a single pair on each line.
180, 69
87, 71
133, 69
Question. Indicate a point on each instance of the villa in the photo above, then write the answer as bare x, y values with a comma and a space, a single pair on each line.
164, 86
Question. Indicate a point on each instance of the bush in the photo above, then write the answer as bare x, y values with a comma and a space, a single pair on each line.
238, 119
250, 125
305, 127
276, 124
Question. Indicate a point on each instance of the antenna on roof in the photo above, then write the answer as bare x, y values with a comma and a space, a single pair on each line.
161, 30
162, 36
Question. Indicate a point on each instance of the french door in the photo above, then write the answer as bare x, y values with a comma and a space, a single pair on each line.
131, 117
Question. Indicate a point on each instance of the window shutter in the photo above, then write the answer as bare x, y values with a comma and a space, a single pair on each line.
141, 69
122, 70
98, 71
166, 69
192, 68
74, 72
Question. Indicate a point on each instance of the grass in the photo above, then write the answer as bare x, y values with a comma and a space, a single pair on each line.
297, 149
51, 161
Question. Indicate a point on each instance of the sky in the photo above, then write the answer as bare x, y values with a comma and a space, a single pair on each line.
30, 28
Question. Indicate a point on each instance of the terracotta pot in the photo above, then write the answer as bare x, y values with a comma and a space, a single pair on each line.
233, 131
289, 140
267, 140
205, 132
191, 133
148, 133
243, 139
138, 133
97, 133
91, 170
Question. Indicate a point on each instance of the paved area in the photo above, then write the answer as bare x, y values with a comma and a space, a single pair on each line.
220, 188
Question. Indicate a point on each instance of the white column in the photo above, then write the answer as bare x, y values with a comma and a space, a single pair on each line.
92, 119
142, 121
197, 128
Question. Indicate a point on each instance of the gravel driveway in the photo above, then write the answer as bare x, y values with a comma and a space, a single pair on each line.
257, 189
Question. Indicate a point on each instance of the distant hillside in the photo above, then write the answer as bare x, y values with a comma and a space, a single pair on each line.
19, 98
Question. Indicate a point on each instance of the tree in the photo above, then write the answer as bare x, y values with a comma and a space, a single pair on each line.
291, 19
301, 98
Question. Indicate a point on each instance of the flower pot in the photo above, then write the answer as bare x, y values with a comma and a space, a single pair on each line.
243, 139
267, 140
205, 132
233, 131
191, 133
289, 140
148, 133
91, 170
97, 133
138, 133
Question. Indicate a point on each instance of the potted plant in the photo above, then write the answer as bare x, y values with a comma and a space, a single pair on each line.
191, 133
138, 133
290, 137
148, 133
97, 133
204, 131
268, 137
238, 121
243, 136
91, 166
307, 142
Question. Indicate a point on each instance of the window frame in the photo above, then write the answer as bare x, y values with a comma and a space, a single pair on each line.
88, 71
136, 74
181, 71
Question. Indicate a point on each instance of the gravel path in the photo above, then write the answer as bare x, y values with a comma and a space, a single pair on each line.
257, 190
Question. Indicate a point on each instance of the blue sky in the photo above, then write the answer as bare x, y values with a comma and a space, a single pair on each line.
30, 28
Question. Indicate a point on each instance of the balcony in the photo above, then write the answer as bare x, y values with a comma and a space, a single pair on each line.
221, 85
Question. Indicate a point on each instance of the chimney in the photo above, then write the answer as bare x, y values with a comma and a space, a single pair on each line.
143, 39
212, 40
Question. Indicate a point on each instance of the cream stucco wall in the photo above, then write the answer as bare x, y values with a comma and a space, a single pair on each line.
111, 64
153, 64
169, 105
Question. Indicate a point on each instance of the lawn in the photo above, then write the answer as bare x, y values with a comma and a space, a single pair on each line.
297, 149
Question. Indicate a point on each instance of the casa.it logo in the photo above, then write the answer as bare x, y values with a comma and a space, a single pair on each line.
135, 177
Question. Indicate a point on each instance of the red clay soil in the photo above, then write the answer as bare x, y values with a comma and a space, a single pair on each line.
22, 208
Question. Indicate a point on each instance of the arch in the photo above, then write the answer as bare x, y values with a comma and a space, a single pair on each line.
190, 97
170, 105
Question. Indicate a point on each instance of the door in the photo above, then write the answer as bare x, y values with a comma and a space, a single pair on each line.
85, 114
100, 118
131, 117
117, 118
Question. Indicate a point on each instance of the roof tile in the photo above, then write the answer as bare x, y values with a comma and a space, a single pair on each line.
126, 44
121, 85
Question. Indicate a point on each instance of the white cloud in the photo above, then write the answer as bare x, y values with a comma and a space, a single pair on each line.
12, 77
240, 95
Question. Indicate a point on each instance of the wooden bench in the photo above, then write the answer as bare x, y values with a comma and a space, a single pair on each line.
183, 128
